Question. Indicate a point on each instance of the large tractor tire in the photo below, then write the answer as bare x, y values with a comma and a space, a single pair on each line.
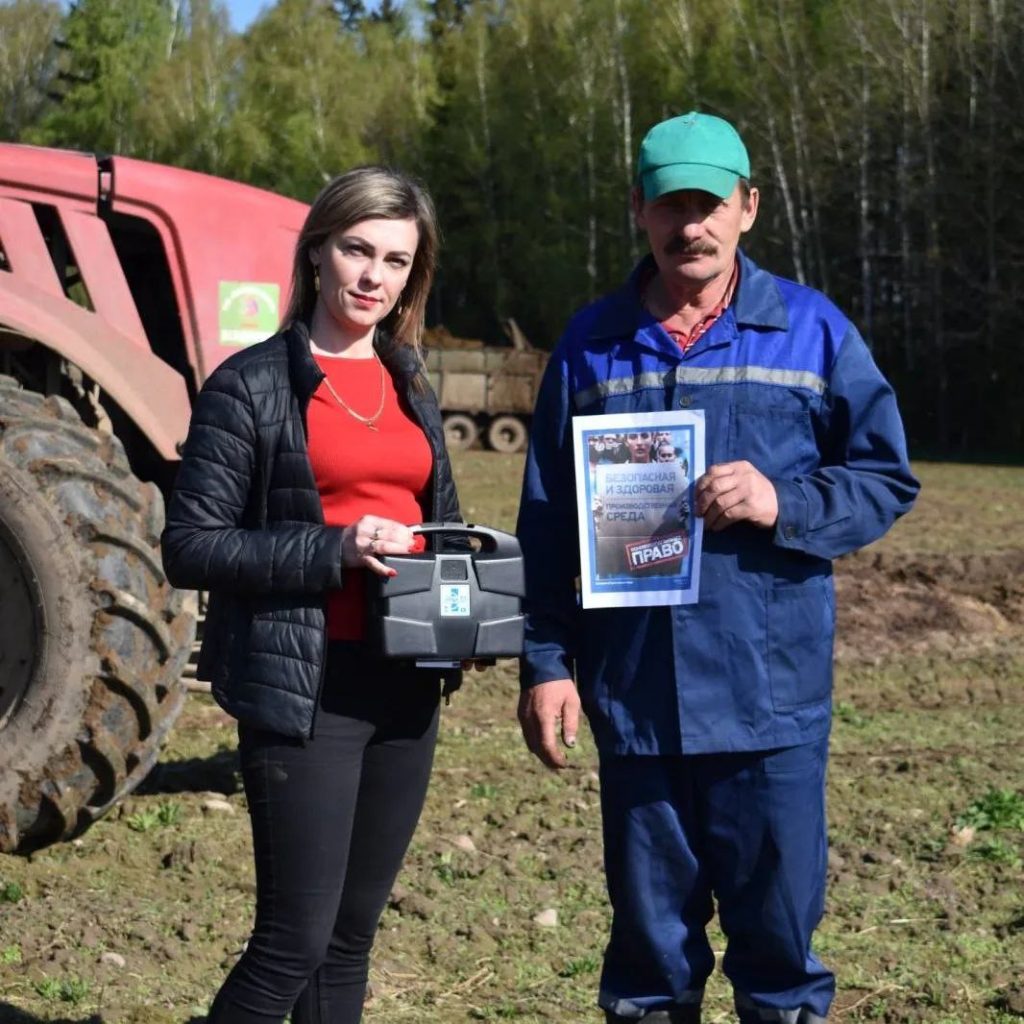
93, 639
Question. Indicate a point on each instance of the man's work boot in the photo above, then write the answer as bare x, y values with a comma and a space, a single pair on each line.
677, 1015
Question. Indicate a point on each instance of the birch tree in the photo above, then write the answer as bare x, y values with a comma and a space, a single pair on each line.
188, 107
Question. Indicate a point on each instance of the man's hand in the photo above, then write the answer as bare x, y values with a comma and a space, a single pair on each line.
540, 710
734, 492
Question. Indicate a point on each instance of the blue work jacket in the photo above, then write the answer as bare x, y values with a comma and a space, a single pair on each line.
785, 382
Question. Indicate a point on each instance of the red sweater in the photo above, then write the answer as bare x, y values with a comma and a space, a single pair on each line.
359, 471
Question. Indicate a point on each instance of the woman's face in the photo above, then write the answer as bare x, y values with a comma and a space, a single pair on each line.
363, 270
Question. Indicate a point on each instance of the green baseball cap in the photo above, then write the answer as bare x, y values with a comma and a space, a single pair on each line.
692, 151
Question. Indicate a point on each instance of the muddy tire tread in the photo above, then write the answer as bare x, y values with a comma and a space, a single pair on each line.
141, 630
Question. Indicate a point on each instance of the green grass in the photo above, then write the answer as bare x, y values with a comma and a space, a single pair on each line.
11, 892
63, 990
996, 809
165, 815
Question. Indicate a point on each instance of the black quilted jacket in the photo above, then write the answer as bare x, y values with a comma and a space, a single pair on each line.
245, 522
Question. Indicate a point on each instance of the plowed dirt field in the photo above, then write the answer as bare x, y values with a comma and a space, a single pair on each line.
500, 913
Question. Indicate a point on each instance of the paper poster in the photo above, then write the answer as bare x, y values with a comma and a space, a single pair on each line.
640, 541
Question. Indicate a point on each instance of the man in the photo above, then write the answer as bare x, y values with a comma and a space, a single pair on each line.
615, 450
711, 720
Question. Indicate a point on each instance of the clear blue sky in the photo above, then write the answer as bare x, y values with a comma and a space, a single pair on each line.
244, 11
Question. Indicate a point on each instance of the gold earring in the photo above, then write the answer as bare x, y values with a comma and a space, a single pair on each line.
316, 280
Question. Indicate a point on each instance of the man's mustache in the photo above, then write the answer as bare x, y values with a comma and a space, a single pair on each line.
680, 247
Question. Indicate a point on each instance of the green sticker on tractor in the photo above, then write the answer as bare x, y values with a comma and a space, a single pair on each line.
248, 312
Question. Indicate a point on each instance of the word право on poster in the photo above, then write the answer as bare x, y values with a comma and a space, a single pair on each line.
640, 541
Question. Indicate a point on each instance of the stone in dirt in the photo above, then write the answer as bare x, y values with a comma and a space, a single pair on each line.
112, 959
963, 836
215, 806
547, 918
464, 843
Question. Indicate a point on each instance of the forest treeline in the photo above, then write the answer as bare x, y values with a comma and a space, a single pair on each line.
886, 137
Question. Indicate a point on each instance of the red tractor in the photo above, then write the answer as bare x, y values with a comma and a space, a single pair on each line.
122, 285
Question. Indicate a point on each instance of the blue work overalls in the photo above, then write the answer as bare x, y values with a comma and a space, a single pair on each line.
712, 719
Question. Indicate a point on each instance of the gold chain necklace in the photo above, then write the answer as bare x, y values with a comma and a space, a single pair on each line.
370, 421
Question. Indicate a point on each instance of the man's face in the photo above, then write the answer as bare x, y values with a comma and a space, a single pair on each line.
693, 234
639, 444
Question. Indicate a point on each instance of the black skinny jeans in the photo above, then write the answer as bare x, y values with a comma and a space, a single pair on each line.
332, 818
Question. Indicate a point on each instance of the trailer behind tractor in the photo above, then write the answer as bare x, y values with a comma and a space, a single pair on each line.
486, 391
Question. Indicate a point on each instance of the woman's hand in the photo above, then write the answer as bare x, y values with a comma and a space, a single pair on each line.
372, 536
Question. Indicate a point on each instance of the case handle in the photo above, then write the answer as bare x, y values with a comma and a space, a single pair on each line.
494, 543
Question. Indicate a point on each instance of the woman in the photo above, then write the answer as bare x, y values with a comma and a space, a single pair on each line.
308, 456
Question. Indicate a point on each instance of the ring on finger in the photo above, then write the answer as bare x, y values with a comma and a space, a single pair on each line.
376, 534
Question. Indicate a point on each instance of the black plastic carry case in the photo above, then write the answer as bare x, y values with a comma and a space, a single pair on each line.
450, 605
